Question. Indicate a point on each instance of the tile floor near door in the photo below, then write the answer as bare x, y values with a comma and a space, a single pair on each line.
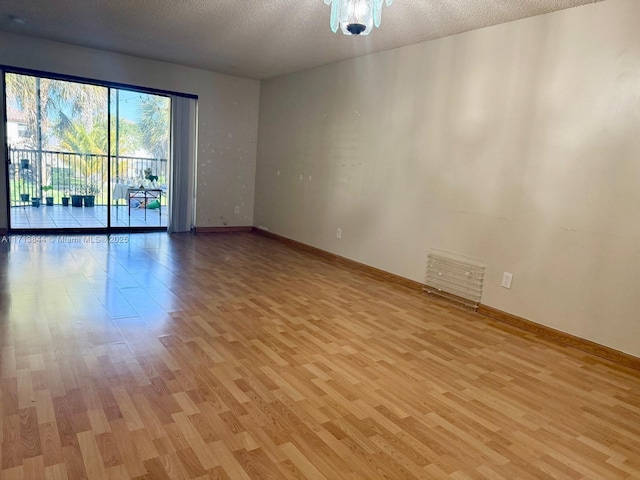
57, 216
233, 356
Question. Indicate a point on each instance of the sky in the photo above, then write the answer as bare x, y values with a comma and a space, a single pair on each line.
129, 104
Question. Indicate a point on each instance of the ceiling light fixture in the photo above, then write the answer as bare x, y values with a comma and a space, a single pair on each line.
356, 17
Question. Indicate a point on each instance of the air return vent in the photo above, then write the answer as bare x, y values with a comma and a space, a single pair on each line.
455, 278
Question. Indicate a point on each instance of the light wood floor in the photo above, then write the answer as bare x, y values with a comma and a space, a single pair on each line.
232, 356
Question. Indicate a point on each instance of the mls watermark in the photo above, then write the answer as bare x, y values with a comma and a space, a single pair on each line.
49, 239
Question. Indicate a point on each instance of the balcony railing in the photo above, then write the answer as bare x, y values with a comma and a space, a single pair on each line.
75, 174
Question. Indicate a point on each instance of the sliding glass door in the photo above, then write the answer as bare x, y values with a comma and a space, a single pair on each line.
139, 177
85, 156
57, 145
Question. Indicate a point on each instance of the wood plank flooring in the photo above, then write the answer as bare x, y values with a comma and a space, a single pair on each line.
233, 356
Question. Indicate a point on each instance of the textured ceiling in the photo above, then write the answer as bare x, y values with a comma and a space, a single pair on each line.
251, 38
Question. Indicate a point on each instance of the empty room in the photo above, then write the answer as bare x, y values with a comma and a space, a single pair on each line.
307, 239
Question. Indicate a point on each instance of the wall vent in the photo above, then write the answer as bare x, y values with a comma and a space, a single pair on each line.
455, 278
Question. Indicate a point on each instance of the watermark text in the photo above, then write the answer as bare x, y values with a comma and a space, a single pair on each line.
50, 239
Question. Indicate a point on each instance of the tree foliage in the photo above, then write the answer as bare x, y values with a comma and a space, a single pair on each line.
72, 117
61, 103
154, 120
70, 110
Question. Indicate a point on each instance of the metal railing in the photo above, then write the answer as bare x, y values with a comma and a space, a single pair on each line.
63, 174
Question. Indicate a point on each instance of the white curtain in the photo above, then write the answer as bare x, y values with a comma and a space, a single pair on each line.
183, 164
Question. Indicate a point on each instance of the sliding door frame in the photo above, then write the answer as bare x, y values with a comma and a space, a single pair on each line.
109, 85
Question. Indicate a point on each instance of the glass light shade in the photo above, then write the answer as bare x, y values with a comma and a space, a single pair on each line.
356, 17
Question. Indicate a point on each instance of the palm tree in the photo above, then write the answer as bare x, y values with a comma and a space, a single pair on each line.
53, 106
73, 117
91, 143
46, 103
154, 125
91, 147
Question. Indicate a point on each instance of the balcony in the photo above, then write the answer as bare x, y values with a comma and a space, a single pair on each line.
71, 190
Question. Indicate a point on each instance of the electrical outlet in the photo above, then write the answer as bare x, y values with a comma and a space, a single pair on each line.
506, 279
237, 209
339, 233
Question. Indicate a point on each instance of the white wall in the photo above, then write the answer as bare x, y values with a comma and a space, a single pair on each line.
518, 144
227, 117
